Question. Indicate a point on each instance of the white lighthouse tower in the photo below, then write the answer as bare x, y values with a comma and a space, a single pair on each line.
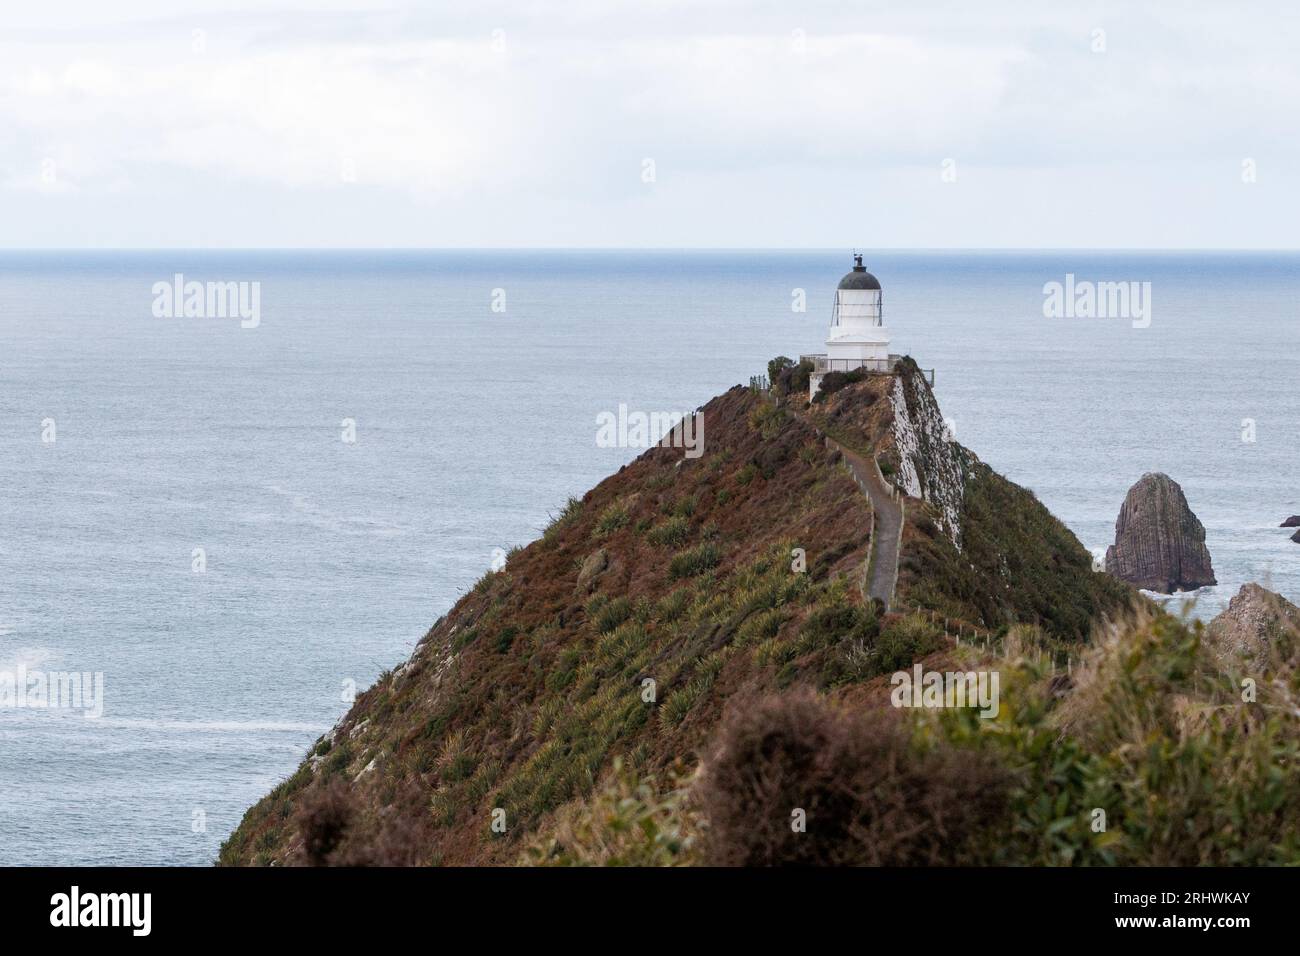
858, 338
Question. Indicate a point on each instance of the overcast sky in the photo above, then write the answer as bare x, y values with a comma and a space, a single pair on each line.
184, 123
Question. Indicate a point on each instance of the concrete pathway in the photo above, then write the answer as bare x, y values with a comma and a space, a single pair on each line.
887, 527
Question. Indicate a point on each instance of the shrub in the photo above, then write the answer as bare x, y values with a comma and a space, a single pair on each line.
628, 822
694, 561
680, 702
834, 381
466, 637
776, 367
505, 638
767, 419
565, 670
323, 821
572, 508
455, 762
760, 627
827, 558
684, 507
903, 641
674, 604
868, 797
610, 614
671, 533
836, 624
611, 519
773, 454
334, 833
792, 379
338, 759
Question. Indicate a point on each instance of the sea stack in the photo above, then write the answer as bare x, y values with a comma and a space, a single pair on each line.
1291, 522
1159, 544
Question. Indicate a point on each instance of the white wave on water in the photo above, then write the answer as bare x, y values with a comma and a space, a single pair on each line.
304, 509
29, 658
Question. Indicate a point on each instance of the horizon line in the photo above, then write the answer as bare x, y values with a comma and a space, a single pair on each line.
720, 248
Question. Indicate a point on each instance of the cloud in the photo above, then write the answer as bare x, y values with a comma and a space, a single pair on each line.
420, 117
521, 122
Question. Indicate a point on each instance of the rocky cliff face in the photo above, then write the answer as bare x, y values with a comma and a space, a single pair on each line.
1159, 543
1256, 623
930, 465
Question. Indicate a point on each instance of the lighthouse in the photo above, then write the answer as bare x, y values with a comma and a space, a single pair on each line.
858, 338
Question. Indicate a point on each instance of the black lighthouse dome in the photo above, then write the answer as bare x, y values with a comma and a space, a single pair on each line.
859, 278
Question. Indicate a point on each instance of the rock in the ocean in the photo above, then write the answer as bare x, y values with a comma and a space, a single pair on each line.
1159, 544
1291, 522
1296, 537
1254, 621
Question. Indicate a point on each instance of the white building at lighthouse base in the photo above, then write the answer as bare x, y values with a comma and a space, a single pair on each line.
858, 338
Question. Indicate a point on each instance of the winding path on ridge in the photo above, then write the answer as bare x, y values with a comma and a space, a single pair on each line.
882, 571
881, 575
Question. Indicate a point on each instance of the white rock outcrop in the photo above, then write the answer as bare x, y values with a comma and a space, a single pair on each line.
931, 466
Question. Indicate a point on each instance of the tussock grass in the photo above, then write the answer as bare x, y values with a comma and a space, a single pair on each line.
694, 561
615, 516
671, 533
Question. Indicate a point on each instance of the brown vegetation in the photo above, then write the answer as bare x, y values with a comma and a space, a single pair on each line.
867, 797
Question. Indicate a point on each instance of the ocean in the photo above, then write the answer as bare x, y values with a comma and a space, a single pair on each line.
183, 513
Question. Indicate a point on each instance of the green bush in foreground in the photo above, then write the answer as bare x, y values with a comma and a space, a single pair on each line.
629, 822
1146, 754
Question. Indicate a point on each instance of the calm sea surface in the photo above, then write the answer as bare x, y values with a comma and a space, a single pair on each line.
327, 560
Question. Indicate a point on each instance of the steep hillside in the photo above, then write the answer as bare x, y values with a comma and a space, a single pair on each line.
671, 588
975, 545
